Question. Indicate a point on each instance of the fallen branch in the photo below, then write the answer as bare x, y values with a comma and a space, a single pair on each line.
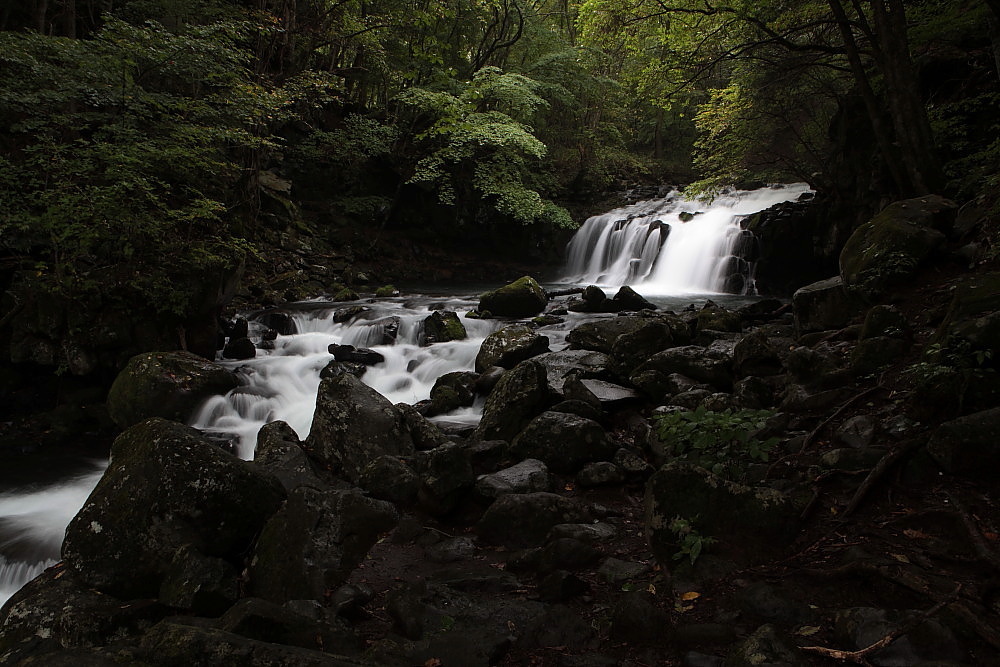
860, 656
826, 422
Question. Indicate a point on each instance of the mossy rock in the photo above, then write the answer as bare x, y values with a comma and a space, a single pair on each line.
510, 346
974, 314
165, 384
346, 294
386, 291
522, 298
442, 326
888, 249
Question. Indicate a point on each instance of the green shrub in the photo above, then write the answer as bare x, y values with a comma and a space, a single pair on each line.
722, 442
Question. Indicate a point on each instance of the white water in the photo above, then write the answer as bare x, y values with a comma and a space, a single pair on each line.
626, 246
281, 384
33, 521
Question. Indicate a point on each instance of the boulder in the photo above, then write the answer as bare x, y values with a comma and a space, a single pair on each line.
528, 476
628, 299
239, 348
314, 542
592, 300
754, 355
633, 347
563, 441
279, 452
452, 391
351, 354
582, 363
974, 314
750, 524
423, 432
510, 346
710, 365
716, 318
824, 305
203, 585
446, 475
522, 298
884, 321
519, 396
889, 248
519, 520
873, 354
969, 445
266, 621
166, 486
353, 425
390, 478
442, 326
165, 384
600, 335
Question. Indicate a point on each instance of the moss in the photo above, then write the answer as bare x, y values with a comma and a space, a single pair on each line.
386, 291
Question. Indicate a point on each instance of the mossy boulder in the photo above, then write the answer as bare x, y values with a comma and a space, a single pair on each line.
563, 441
522, 298
601, 335
519, 396
824, 305
442, 326
888, 249
166, 486
510, 346
165, 384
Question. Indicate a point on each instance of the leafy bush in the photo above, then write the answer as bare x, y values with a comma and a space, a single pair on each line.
722, 442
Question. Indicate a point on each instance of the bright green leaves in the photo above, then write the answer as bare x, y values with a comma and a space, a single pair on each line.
724, 443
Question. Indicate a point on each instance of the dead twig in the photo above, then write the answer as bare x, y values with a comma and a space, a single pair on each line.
826, 422
860, 656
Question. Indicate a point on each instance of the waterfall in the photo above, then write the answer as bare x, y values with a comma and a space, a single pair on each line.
33, 521
674, 245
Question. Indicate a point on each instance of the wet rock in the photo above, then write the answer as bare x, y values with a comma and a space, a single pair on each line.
766, 646
750, 523
314, 542
522, 298
824, 305
716, 318
528, 476
592, 300
632, 348
969, 445
452, 391
165, 384
424, 433
442, 326
279, 321
349, 312
351, 354
279, 452
564, 442
510, 346
523, 520
600, 335
353, 425
239, 348
616, 571
628, 299
633, 466
888, 249
857, 431
566, 363
709, 365
166, 486
519, 396
335, 368
580, 409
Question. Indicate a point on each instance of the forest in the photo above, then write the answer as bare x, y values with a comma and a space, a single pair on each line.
275, 314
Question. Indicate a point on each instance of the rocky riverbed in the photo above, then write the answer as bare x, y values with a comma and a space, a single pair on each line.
780, 483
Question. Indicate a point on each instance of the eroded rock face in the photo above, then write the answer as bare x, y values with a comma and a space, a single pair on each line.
316, 540
353, 425
166, 486
522, 298
165, 384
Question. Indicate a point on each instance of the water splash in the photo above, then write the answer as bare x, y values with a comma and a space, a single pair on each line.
672, 245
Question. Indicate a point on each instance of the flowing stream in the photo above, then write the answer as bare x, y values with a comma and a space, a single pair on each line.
648, 245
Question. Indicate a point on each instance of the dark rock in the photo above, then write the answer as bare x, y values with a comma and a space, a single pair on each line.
600, 335
710, 365
424, 433
560, 586
446, 476
974, 315
754, 355
580, 363
442, 326
873, 354
522, 298
524, 520
857, 431
452, 391
616, 572
510, 346
609, 395
969, 445
165, 384
279, 452
363, 355
335, 368
348, 313
353, 425
774, 604
824, 305
564, 442
202, 585
884, 320
314, 542
528, 476
239, 348
166, 486
928, 643
591, 533
636, 619
519, 396
628, 299
601, 473
279, 321
766, 646
632, 348
390, 478
488, 455
566, 553
580, 409
265, 621
450, 550
633, 466
888, 249
390, 329
488, 379
717, 318
753, 393
750, 523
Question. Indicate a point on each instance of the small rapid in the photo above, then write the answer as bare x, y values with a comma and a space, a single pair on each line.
674, 245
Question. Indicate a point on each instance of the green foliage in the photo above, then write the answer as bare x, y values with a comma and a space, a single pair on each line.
690, 542
722, 442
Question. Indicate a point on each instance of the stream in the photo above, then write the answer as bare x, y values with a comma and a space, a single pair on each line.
674, 251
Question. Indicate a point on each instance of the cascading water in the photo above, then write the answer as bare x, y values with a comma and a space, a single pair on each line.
673, 245
32, 523
282, 383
